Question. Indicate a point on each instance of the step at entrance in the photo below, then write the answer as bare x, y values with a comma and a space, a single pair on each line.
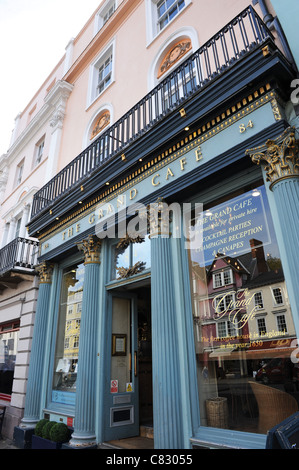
144, 441
147, 431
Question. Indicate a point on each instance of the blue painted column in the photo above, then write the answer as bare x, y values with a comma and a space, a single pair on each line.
36, 367
281, 164
165, 360
186, 346
85, 408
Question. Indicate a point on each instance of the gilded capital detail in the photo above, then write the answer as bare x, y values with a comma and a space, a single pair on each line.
159, 219
91, 248
280, 156
45, 271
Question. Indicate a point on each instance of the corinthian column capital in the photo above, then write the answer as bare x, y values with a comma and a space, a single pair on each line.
279, 156
91, 248
45, 271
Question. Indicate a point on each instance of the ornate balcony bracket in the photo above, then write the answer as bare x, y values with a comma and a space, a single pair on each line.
280, 157
91, 248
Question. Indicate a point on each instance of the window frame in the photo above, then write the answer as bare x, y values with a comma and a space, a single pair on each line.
259, 305
19, 172
259, 320
223, 284
152, 19
131, 252
170, 91
5, 328
93, 94
167, 12
55, 308
18, 226
38, 154
101, 19
277, 304
278, 317
228, 327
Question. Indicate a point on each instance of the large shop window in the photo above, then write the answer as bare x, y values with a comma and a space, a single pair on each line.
9, 333
245, 340
68, 333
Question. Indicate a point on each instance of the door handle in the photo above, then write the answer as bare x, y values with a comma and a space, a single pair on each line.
135, 363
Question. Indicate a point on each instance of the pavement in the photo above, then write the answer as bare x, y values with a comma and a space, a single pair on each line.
7, 444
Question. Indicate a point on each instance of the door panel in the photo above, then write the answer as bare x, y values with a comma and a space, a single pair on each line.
122, 403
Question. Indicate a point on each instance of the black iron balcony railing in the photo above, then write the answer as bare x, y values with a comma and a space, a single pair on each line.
19, 253
242, 35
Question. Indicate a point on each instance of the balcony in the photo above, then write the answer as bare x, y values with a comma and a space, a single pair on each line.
17, 261
245, 35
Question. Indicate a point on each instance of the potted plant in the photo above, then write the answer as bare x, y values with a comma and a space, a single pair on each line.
50, 435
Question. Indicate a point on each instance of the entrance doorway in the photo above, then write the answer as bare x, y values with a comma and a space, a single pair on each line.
129, 400
145, 357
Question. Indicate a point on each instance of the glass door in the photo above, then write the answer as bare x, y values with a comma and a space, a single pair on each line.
122, 412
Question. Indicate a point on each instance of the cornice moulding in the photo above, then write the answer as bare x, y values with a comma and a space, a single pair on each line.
56, 97
99, 40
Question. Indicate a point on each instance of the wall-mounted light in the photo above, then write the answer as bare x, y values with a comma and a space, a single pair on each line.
255, 193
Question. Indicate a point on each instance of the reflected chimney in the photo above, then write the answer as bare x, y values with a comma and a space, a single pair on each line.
257, 252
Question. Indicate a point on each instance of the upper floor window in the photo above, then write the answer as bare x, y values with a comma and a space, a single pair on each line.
167, 10
258, 300
160, 13
19, 172
102, 73
18, 227
222, 279
225, 329
39, 150
105, 13
261, 325
281, 323
277, 294
225, 303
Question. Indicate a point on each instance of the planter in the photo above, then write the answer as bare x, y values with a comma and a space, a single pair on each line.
41, 443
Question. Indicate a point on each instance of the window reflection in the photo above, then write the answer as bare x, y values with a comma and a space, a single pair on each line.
9, 333
68, 333
131, 257
243, 326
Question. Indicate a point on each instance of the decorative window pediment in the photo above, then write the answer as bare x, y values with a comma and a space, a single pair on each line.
174, 54
101, 121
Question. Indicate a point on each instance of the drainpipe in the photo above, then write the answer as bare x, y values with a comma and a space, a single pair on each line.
273, 23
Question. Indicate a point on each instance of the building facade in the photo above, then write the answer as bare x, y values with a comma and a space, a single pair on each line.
28, 164
168, 236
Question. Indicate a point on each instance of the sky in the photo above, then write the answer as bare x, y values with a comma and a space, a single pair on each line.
33, 38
